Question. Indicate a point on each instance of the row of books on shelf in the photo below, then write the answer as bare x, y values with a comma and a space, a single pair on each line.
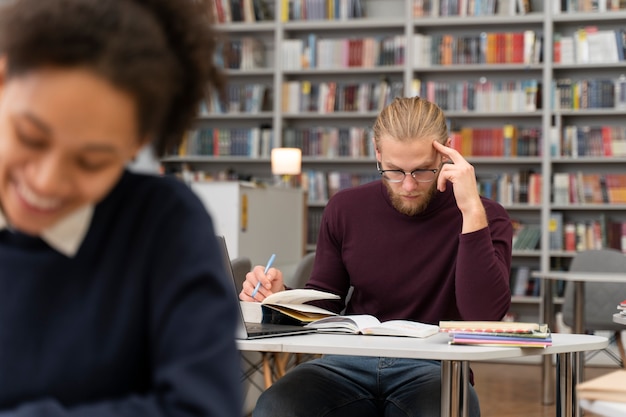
519, 47
245, 53
593, 93
240, 98
525, 236
323, 9
359, 52
571, 236
590, 45
510, 7
251, 142
322, 185
507, 188
508, 140
580, 141
314, 220
432, 8
482, 95
588, 188
331, 142
599, 47
599, 233
522, 284
574, 6
227, 11
329, 97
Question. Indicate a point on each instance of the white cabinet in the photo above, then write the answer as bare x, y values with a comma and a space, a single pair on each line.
256, 221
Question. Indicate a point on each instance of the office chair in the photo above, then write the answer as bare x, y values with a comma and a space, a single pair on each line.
302, 273
241, 266
601, 298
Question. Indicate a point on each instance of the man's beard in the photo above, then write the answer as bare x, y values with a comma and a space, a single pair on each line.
414, 209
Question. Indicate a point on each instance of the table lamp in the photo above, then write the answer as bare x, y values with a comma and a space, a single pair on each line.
285, 163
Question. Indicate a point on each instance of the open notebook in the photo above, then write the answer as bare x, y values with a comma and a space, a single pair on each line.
246, 330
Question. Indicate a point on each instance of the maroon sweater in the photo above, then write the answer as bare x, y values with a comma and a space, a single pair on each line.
412, 267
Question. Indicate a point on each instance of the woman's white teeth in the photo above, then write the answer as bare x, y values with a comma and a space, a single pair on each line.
43, 203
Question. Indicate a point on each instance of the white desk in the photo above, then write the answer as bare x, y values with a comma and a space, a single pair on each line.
455, 358
578, 278
619, 318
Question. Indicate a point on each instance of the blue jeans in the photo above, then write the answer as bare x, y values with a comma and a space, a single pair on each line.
346, 386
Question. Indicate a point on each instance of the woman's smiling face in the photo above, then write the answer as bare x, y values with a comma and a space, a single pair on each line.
65, 138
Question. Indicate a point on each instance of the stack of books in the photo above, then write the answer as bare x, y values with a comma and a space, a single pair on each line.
497, 333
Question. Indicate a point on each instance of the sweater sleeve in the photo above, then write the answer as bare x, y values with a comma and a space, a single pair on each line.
190, 322
483, 267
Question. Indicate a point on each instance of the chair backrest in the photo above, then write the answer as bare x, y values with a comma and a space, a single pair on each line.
241, 266
302, 273
601, 298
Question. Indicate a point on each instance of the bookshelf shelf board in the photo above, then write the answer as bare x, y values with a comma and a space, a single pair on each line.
586, 17
216, 159
509, 160
480, 21
236, 116
590, 207
343, 25
527, 253
491, 115
250, 73
524, 299
590, 160
590, 66
532, 299
562, 254
317, 204
320, 160
246, 27
331, 115
479, 68
591, 112
383, 69
522, 207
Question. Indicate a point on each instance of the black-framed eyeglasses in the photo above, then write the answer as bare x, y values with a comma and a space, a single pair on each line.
398, 175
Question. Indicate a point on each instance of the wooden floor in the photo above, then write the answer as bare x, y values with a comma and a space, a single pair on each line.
514, 390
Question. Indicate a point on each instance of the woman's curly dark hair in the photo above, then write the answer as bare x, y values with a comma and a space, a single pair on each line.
161, 52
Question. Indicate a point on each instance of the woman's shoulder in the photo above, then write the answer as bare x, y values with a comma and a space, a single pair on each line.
148, 192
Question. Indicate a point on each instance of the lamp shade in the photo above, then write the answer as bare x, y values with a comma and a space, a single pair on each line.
286, 161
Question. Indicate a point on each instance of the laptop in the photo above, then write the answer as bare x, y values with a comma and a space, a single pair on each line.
247, 330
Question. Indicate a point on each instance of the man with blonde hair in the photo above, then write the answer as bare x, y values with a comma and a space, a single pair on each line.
420, 244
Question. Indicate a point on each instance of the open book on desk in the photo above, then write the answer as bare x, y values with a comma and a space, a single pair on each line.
288, 307
367, 324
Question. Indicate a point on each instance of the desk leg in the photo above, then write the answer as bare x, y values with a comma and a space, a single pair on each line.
454, 389
579, 324
567, 403
547, 316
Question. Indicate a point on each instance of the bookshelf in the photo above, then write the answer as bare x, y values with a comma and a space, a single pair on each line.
508, 111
